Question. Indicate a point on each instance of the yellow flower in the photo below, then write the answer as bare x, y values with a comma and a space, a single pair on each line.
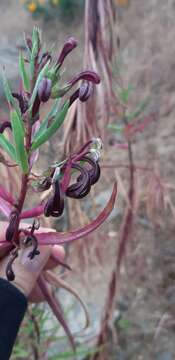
32, 7
122, 2
55, 2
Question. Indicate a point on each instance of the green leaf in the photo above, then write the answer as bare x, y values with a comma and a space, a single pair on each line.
52, 113
23, 73
36, 44
139, 109
8, 147
8, 93
115, 127
124, 324
52, 128
18, 134
42, 73
124, 94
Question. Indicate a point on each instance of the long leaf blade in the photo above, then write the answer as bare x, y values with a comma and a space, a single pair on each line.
8, 93
8, 147
44, 124
23, 73
18, 134
52, 128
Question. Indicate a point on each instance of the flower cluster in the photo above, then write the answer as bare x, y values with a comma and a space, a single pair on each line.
41, 81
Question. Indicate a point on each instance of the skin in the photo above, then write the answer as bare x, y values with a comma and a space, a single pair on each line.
27, 271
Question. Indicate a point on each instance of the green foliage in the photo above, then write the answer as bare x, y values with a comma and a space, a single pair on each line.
18, 134
8, 147
50, 131
34, 334
23, 73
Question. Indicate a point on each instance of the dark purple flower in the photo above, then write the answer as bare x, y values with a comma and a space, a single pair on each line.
23, 103
5, 125
44, 59
35, 108
85, 91
82, 186
44, 89
69, 45
88, 75
55, 205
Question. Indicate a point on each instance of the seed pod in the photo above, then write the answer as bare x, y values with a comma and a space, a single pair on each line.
44, 89
87, 75
23, 103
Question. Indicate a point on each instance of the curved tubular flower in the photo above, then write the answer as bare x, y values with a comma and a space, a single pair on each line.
94, 172
55, 205
69, 45
82, 185
44, 89
88, 75
39, 76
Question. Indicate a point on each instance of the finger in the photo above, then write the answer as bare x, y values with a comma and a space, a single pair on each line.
57, 256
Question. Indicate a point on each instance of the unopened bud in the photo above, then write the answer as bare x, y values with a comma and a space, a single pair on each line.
85, 91
69, 45
44, 89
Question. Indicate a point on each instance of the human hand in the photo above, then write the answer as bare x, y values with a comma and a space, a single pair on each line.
27, 271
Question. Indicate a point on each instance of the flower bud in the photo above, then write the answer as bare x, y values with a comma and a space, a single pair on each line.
85, 91
88, 75
69, 45
44, 89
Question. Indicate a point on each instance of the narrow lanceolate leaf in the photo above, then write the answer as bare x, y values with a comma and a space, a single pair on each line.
52, 238
23, 73
117, 128
50, 131
8, 147
8, 93
42, 73
44, 124
18, 134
